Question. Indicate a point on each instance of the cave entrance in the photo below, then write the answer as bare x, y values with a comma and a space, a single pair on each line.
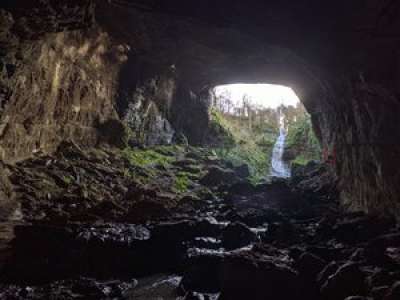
264, 126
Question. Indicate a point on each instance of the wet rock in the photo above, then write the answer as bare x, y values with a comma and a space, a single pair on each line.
80, 288
251, 276
237, 235
155, 287
328, 271
326, 253
348, 280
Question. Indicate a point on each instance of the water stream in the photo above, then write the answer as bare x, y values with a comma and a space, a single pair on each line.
279, 168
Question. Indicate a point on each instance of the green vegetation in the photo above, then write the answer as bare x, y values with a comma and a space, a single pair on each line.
155, 167
67, 179
147, 157
302, 145
182, 182
240, 142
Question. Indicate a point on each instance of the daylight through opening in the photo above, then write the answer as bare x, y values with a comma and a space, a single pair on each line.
264, 126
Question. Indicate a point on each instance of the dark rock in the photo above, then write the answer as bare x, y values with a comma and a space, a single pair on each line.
283, 232
394, 292
309, 265
326, 253
80, 288
379, 292
359, 229
217, 176
237, 235
114, 132
315, 181
348, 280
251, 276
328, 271
256, 217
43, 252
7, 196
378, 245
202, 273
242, 188
146, 210
383, 277
242, 171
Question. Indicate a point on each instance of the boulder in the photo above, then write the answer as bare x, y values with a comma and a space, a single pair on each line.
248, 275
217, 176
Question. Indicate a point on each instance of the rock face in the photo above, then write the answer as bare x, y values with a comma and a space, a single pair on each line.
68, 67
7, 196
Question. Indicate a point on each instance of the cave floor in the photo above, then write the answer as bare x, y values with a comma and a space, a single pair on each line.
179, 223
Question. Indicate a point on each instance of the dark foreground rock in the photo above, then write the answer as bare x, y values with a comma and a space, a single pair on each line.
79, 288
242, 241
251, 276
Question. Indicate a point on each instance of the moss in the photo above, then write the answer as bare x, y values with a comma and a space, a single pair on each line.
182, 182
68, 180
302, 145
147, 157
221, 132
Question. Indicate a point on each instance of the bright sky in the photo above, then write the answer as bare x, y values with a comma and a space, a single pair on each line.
266, 95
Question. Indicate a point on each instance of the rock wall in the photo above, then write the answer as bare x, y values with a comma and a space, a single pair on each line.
365, 146
74, 81
61, 87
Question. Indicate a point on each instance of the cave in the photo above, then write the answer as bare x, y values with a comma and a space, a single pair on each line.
109, 161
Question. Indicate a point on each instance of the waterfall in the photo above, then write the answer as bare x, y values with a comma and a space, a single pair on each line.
279, 168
